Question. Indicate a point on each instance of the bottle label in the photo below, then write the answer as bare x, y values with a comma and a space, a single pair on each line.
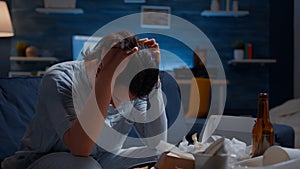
266, 142
260, 145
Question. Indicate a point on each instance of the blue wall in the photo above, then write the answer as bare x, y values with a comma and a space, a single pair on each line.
52, 33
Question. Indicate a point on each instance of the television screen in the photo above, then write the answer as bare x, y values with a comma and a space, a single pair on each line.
174, 54
80, 42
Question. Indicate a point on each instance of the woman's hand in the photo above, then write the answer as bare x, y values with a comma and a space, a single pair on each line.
153, 46
114, 57
112, 64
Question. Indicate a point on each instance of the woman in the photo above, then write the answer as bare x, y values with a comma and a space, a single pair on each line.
86, 109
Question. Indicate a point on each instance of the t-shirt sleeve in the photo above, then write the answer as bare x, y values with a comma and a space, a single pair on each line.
56, 98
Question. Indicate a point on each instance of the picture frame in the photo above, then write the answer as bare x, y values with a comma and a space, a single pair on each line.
156, 17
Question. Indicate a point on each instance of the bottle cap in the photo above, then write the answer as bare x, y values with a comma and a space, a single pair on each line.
263, 95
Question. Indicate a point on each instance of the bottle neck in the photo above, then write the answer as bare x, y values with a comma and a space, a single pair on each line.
263, 110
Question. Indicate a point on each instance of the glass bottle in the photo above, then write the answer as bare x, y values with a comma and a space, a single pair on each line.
214, 6
262, 132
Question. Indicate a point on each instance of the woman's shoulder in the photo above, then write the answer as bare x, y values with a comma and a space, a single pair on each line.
63, 71
67, 67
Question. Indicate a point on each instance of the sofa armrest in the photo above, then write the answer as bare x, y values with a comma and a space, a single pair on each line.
284, 134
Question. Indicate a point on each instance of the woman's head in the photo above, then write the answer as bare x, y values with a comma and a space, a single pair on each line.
141, 73
102, 47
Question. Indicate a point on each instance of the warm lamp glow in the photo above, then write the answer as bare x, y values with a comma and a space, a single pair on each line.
6, 29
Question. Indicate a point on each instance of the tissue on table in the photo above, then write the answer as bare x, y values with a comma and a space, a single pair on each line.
185, 155
237, 148
184, 146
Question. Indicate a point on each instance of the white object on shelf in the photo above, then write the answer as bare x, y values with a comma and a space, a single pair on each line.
60, 10
238, 54
254, 61
33, 59
224, 13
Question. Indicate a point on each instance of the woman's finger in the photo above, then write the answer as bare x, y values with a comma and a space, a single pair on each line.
156, 46
132, 51
143, 40
149, 42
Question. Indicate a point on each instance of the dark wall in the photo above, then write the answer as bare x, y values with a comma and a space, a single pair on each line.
52, 33
5, 52
282, 48
5, 44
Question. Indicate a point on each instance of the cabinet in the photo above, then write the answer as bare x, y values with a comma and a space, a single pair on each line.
30, 66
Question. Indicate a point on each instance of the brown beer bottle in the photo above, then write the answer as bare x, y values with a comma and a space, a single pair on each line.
262, 132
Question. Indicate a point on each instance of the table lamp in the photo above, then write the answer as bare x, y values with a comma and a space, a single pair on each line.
6, 29
6, 32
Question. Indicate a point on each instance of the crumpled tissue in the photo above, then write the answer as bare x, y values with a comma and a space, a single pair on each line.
237, 148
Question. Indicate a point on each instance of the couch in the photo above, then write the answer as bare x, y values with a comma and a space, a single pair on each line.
17, 107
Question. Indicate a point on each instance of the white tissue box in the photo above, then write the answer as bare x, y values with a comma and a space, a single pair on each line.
206, 161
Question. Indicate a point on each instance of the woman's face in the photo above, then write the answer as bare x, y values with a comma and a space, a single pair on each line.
121, 94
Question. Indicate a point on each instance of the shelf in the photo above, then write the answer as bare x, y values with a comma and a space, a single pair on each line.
30, 66
25, 73
33, 59
252, 61
209, 13
60, 10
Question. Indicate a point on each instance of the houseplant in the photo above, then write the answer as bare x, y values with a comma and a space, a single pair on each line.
238, 50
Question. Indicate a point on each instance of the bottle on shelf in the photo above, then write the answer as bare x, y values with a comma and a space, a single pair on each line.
249, 53
235, 5
214, 5
262, 132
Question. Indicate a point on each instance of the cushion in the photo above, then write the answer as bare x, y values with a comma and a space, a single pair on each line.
17, 105
199, 101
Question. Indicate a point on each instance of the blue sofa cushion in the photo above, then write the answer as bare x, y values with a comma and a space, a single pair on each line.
17, 105
284, 135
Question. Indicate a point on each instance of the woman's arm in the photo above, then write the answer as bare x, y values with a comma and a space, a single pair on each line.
154, 128
91, 118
